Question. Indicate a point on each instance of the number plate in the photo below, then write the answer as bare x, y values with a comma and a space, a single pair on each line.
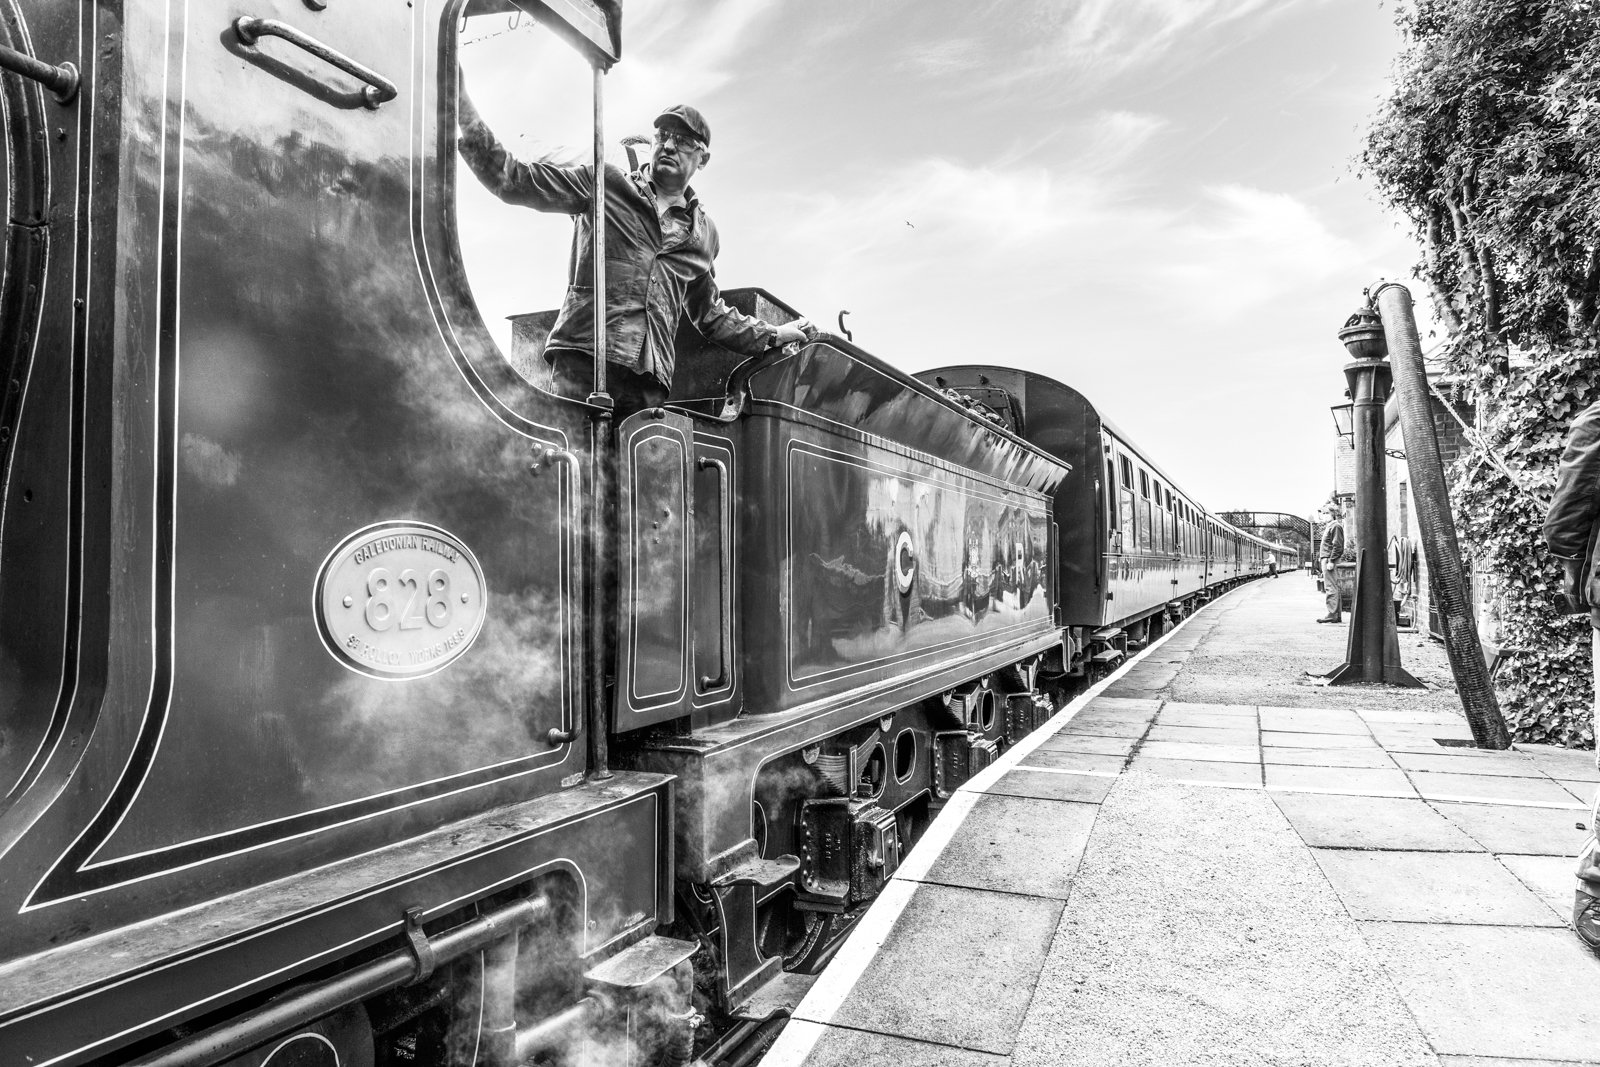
400, 600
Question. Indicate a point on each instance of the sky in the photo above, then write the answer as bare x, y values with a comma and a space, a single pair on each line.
1154, 201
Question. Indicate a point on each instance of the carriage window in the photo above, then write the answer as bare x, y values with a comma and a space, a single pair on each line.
1130, 529
1111, 494
1145, 536
533, 90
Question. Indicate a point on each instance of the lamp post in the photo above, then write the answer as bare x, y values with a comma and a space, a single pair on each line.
1373, 651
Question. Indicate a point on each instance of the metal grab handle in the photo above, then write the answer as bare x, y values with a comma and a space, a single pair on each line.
724, 495
377, 90
62, 81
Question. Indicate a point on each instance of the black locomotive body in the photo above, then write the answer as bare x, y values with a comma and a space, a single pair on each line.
1136, 551
297, 720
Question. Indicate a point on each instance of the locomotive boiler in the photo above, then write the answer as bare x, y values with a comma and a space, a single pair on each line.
310, 750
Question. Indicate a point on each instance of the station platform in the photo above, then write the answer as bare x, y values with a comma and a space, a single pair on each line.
1208, 859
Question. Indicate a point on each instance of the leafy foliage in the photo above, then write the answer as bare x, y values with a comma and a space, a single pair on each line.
1490, 145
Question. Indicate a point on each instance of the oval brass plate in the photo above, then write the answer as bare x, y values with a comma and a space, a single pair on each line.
400, 600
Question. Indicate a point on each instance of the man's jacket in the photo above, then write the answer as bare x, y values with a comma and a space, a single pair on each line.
1333, 545
1569, 525
650, 277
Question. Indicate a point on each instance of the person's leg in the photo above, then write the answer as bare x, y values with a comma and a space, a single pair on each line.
1586, 905
1330, 586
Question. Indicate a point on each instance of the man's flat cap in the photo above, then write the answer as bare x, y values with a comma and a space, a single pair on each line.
687, 117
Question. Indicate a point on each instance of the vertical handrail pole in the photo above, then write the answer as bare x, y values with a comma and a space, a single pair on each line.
601, 575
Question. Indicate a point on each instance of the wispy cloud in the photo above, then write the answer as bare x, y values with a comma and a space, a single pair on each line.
940, 59
1105, 37
1249, 247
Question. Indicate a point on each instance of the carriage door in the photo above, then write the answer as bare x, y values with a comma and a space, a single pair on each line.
654, 539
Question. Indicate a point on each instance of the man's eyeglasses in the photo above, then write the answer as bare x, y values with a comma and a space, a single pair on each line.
680, 138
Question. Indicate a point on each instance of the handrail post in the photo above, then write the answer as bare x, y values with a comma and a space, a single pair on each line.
603, 482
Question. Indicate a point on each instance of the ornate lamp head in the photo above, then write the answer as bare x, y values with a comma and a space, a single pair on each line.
1363, 333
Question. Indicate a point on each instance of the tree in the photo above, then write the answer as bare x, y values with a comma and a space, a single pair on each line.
1489, 144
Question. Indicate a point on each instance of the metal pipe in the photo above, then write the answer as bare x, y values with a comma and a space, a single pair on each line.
555, 1031
1435, 524
752, 1046
497, 1034
240, 1035
62, 81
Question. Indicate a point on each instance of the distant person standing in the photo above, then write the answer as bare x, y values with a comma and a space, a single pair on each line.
1332, 551
1570, 529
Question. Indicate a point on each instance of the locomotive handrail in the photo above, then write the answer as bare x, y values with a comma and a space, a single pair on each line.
550, 455
378, 89
61, 80
707, 683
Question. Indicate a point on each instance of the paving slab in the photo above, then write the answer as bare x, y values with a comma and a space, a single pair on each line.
1491, 788
1578, 765
1173, 707
1110, 716
1016, 845
1252, 962
836, 1046
1549, 877
1194, 751
1502, 828
1416, 718
1045, 784
1188, 770
1361, 781
1227, 721
1103, 728
1324, 821
1288, 739
1583, 791
1059, 760
1327, 757
1313, 720
1407, 739
1495, 991
1451, 887
1205, 735
949, 938
1091, 743
1503, 764
1128, 704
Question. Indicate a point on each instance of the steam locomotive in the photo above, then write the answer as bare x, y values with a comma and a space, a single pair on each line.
309, 753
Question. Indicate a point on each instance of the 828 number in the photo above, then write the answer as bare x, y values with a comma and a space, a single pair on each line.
428, 601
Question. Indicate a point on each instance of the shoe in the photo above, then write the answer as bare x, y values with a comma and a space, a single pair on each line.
1331, 618
1586, 920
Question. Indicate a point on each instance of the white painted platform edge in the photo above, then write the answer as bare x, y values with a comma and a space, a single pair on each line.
839, 978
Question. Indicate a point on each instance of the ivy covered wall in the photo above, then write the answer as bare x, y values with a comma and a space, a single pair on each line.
1489, 143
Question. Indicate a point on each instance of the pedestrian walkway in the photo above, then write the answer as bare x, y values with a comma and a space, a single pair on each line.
1212, 860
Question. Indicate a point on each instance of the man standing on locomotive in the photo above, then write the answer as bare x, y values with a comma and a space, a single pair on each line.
660, 248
